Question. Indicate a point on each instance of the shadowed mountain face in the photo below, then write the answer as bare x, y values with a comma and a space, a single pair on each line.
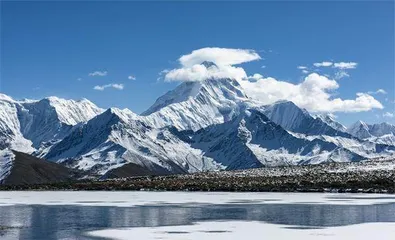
27, 169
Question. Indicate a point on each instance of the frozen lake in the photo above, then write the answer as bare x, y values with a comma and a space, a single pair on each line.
195, 215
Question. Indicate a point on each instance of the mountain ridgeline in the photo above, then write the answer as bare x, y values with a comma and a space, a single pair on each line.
199, 126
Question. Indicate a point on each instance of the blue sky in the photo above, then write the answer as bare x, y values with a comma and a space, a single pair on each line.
49, 48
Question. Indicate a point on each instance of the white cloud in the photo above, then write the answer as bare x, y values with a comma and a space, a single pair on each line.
224, 58
323, 64
263, 66
379, 91
255, 77
341, 74
199, 73
314, 94
98, 74
305, 71
388, 115
301, 67
111, 85
219, 56
345, 65
131, 77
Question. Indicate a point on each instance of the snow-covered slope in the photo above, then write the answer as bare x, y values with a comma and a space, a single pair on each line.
295, 119
198, 126
27, 125
360, 130
117, 137
10, 128
253, 140
6, 161
388, 139
331, 121
193, 105
363, 130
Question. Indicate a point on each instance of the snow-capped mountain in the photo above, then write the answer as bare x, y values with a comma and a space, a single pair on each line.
198, 126
360, 130
28, 124
10, 127
253, 140
117, 137
331, 121
363, 130
295, 119
193, 105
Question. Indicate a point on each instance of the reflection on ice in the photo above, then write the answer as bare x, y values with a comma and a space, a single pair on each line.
69, 215
252, 230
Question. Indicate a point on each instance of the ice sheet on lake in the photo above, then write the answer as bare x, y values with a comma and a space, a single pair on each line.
226, 230
138, 198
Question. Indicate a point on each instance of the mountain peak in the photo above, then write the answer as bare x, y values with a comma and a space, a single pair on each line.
215, 89
208, 64
7, 98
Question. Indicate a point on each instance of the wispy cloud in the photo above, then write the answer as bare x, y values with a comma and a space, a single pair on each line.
379, 91
388, 115
301, 67
98, 74
345, 65
79, 79
339, 65
111, 85
323, 64
341, 74
131, 77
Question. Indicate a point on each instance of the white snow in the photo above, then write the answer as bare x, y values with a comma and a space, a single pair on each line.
6, 162
90, 138
363, 130
240, 230
72, 112
26, 124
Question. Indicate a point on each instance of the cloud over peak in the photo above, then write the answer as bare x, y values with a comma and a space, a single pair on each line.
315, 92
192, 68
219, 56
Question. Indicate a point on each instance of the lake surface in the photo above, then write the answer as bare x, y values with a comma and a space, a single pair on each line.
156, 215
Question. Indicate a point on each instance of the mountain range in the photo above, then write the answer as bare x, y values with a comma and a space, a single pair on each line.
208, 125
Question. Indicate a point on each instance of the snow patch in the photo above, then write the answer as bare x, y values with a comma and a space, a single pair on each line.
7, 158
239, 230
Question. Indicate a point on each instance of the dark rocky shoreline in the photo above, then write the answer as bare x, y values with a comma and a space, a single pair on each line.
366, 177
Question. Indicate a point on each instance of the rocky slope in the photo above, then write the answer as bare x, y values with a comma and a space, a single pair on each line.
20, 168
